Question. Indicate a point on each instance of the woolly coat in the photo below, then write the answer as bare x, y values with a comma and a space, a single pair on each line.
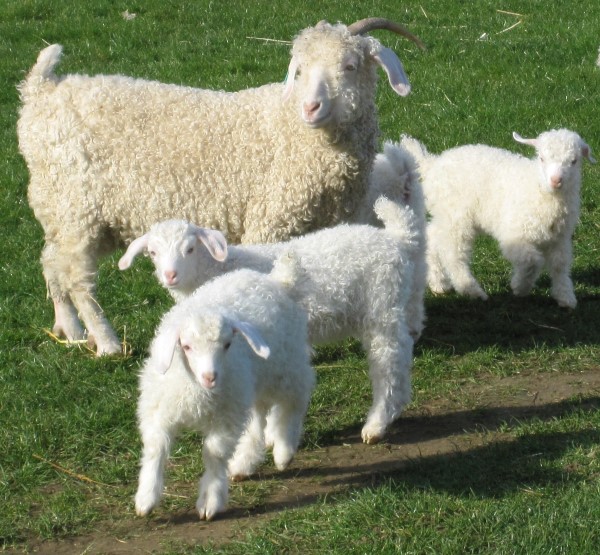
115, 154
358, 281
109, 156
359, 278
503, 195
245, 296
172, 397
530, 206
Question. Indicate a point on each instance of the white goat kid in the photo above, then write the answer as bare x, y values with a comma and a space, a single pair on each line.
220, 361
360, 282
530, 206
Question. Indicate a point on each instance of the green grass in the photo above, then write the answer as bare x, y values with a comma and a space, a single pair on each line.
69, 448
540, 498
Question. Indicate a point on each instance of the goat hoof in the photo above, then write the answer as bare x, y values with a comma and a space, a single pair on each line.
371, 438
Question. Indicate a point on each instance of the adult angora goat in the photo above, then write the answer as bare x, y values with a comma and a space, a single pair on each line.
110, 155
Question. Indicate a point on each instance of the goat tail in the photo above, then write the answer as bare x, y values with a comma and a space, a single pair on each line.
287, 270
42, 72
418, 151
400, 221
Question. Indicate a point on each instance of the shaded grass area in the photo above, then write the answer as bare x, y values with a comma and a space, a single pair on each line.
529, 487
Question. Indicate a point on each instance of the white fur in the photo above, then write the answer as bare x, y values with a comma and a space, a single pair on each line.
395, 176
109, 155
359, 283
220, 361
530, 206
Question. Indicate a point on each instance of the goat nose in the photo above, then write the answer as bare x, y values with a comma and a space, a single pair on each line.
311, 107
556, 182
209, 379
170, 275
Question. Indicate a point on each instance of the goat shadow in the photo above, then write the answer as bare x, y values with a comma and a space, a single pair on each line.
493, 469
515, 462
458, 325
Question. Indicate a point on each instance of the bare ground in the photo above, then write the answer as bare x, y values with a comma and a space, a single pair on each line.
437, 428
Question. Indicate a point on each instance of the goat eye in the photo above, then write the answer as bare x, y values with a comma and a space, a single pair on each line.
574, 162
227, 345
186, 348
152, 253
190, 250
350, 67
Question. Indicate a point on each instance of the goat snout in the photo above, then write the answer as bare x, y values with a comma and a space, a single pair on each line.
316, 112
311, 108
556, 181
170, 277
208, 380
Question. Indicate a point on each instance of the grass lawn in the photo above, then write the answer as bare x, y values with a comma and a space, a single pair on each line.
499, 451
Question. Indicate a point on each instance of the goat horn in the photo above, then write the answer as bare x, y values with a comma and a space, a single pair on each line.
370, 23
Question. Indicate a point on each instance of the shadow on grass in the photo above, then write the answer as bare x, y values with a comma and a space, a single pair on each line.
494, 470
444, 453
458, 325
590, 277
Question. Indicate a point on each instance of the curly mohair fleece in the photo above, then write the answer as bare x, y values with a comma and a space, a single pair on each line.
359, 282
530, 206
395, 176
110, 155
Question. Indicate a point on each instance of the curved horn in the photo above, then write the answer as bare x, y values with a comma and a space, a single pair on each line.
363, 26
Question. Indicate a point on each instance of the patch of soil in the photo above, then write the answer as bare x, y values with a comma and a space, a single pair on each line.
434, 429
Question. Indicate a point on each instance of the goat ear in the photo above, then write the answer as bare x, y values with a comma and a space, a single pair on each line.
519, 139
135, 248
163, 348
391, 64
214, 241
254, 339
290, 78
586, 152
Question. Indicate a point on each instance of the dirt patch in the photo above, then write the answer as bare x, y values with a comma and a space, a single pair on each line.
437, 428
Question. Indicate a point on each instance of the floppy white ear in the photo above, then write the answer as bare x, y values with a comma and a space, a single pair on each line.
163, 348
135, 248
519, 139
290, 78
254, 339
214, 241
391, 64
586, 152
